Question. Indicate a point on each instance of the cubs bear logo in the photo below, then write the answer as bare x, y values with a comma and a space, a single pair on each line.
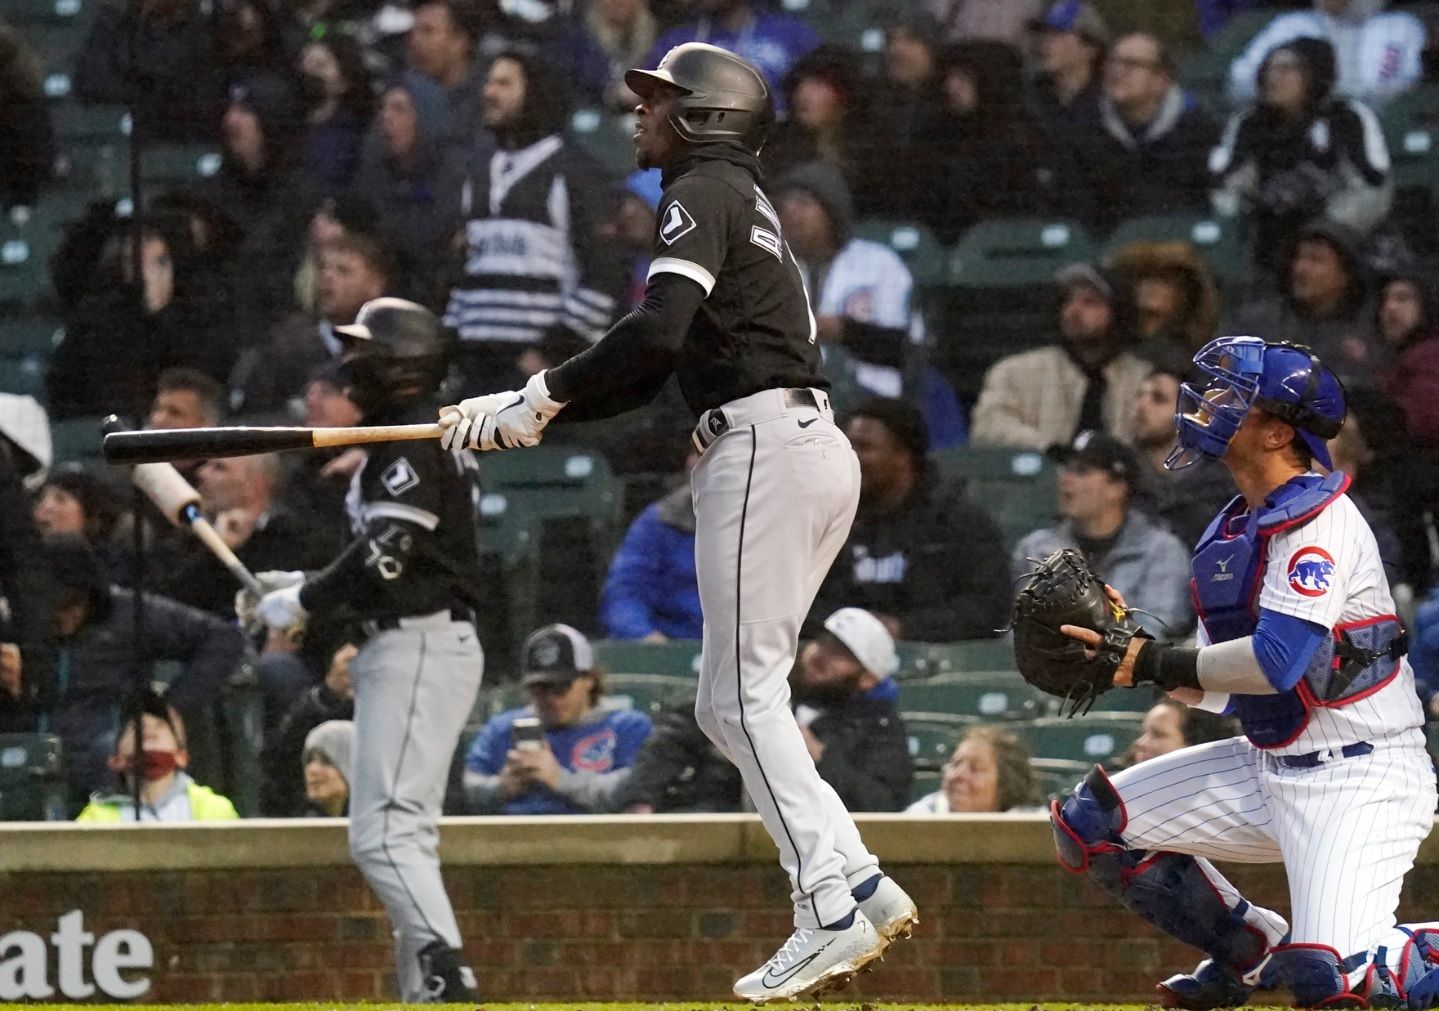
1309, 571
594, 753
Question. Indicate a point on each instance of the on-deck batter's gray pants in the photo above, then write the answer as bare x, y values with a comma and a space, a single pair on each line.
774, 499
414, 689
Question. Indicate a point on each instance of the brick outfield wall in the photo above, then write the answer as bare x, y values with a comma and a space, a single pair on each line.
990, 931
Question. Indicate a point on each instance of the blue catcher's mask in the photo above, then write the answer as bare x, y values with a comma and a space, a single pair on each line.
1285, 380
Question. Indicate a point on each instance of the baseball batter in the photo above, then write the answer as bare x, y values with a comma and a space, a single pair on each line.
1299, 639
407, 581
775, 490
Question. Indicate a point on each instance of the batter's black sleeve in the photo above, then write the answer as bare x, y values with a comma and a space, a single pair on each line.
403, 502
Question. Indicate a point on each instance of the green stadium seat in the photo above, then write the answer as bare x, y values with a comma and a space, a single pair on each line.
76, 123
677, 658
555, 481
1207, 72
26, 242
933, 736
179, 164
1018, 252
30, 335
649, 693
1018, 488
1129, 700
929, 659
76, 440
510, 539
497, 699
916, 246
607, 138
32, 778
1094, 737
23, 373
998, 695
1216, 238
1411, 126
25, 13
1058, 776
925, 782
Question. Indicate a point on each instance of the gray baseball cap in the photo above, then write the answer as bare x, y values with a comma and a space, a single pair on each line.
556, 655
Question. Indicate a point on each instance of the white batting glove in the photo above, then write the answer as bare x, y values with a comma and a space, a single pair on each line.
247, 603
462, 420
281, 609
502, 421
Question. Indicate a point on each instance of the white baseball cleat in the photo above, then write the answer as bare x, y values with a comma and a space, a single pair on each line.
891, 910
813, 959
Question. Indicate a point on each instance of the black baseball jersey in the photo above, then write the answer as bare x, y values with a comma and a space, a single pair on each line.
754, 330
413, 508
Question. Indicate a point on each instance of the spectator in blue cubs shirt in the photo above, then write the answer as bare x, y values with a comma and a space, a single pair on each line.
585, 750
772, 42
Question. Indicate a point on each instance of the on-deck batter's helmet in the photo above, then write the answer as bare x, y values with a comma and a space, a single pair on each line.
1285, 380
721, 96
393, 347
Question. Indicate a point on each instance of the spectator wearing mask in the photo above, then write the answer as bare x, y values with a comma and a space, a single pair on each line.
353, 269
981, 154
1150, 153
338, 88
1071, 45
651, 592
1175, 295
1007, 21
412, 176
94, 625
1170, 725
1088, 379
167, 792
260, 185
844, 702
1299, 153
1407, 321
920, 556
443, 45
624, 31
772, 42
1323, 303
328, 765
827, 121
988, 773
116, 345
580, 764
1379, 51
1098, 479
537, 283
284, 761
28, 155
1184, 500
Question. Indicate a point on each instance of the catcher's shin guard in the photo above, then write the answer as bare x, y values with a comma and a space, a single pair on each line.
1169, 890
1402, 971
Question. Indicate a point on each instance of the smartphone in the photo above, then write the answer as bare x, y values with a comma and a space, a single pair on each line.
527, 733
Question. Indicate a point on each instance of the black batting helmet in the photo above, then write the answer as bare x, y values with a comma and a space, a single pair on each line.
721, 96
394, 349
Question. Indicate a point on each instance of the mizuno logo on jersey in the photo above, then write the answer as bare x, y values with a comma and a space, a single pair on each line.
1309, 571
675, 222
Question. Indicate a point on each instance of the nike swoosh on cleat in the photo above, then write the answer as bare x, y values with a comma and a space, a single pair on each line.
773, 982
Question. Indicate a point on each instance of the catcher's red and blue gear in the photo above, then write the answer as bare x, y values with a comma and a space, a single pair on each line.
1064, 590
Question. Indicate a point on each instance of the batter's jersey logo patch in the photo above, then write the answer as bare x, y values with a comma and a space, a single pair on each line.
676, 222
399, 477
1309, 571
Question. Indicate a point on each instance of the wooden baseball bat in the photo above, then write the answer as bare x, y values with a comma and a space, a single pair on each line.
180, 503
156, 445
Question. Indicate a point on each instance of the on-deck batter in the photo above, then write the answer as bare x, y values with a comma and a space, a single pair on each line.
775, 491
1298, 638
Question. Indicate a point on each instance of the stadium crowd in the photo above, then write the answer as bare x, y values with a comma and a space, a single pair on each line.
471, 155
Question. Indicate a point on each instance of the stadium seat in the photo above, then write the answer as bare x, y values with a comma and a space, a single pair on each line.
928, 659
925, 782
1205, 74
556, 481
933, 736
1017, 252
677, 658
508, 538
1057, 776
32, 780
497, 699
607, 138
76, 440
1129, 700
165, 165
1411, 126
1216, 238
650, 693
23, 373
30, 335
916, 246
998, 695
25, 13
26, 241
1094, 737
1018, 488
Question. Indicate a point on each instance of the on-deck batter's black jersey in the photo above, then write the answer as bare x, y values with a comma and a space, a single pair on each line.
413, 508
754, 330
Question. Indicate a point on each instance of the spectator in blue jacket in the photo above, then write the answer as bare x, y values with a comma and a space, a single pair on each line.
651, 592
587, 748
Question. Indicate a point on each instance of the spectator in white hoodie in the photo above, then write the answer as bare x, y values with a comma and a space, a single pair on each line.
1378, 51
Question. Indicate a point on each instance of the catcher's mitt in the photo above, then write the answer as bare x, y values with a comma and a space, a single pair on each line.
1064, 590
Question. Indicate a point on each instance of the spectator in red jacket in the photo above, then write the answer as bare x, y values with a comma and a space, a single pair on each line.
1408, 324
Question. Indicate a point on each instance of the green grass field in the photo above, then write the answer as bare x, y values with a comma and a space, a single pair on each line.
585, 1006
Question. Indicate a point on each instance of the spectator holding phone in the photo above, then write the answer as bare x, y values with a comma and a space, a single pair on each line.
567, 752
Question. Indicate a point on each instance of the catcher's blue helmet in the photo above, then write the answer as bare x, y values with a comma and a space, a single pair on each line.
1286, 380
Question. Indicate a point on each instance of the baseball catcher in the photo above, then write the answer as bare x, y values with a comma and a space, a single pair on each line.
1063, 591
